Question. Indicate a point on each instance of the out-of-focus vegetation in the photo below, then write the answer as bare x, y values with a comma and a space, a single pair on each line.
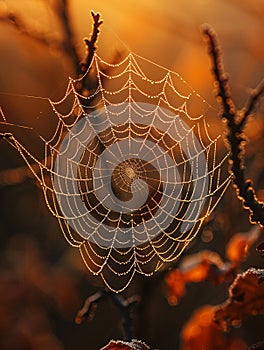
42, 281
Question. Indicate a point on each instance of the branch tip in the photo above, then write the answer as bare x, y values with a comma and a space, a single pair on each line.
252, 102
235, 121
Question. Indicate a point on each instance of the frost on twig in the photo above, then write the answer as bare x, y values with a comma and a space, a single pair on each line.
236, 121
121, 345
91, 43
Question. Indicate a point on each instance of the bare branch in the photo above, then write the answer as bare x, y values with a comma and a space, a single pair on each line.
90, 43
89, 307
251, 103
124, 307
221, 78
6, 176
245, 190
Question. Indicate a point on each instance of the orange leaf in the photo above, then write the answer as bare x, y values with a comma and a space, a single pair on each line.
246, 298
200, 332
175, 282
238, 246
203, 266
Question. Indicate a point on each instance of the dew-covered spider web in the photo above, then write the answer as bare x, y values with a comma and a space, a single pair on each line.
131, 171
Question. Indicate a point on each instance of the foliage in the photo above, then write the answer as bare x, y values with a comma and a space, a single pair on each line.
208, 265
246, 298
201, 329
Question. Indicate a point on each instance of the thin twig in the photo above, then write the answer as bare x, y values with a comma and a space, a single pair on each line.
123, 305
251, 103
6, 177
235, 124
91, 43
125, 309
89, 307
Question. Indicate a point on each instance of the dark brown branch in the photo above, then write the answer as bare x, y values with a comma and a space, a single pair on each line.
69, 45
89, 307
6, 175
251, 103
123, 305
91, 43
83, 67
235, 124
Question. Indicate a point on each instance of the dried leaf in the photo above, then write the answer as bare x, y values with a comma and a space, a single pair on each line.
208, 266
200, 332
203, 266
246, 298
238, 246
121, 345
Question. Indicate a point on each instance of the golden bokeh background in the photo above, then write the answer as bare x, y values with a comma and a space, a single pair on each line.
42, 281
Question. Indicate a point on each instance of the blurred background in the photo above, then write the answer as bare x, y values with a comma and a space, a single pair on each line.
43, 282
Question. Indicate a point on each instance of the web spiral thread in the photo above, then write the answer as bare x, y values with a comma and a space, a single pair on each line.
131, 171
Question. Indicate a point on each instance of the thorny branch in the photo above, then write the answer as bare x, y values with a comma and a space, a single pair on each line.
90, 43
235, 123
90, 50
123, 305
69, 42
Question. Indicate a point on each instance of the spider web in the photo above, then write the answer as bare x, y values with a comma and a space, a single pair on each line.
131, 171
